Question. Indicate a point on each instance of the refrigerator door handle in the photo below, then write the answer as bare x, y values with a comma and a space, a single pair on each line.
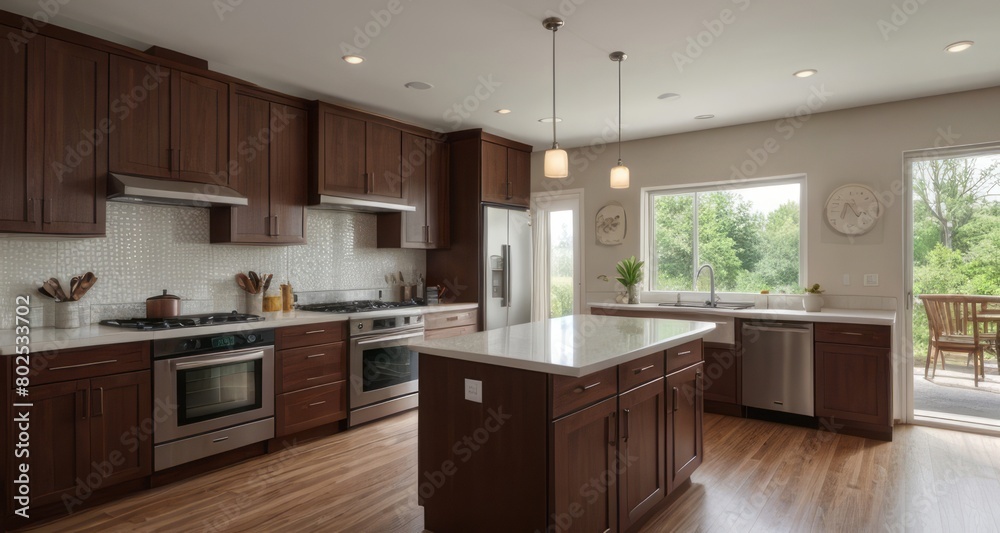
506, 275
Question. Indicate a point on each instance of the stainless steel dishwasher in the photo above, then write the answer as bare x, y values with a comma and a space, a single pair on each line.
778, 366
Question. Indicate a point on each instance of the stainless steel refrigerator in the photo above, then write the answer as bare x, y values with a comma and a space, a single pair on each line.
507, 247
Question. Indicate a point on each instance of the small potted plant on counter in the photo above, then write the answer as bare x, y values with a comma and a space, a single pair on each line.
811, 300
630, 272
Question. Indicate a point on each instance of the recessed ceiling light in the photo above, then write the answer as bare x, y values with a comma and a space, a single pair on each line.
704, 117
503, 111
354, 60
669, 96
960, 46
418, 85
548, 120
805, 73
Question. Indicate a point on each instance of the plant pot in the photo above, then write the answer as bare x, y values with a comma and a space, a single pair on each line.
812, 303
633, 294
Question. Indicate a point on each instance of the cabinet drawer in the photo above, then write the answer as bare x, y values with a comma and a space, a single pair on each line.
432, 334
858, 334
309, 335
309, 408
570, 394
450, 320
684, 355
65, 365
640, 371
309, 366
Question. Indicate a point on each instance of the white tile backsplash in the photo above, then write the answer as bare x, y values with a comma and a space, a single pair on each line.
151, 248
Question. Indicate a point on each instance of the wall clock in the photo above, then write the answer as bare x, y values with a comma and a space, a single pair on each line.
853, 209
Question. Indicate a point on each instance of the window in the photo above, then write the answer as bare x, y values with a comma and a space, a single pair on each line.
750, 234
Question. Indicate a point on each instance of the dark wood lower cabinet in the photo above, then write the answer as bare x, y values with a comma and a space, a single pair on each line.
641, 446
853, 383
584, 468
685, 400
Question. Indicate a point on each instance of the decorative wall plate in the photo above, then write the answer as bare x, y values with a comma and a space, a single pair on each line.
610, 224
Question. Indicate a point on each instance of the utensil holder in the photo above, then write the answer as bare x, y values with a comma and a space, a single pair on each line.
68, 315
254, 303
406, 292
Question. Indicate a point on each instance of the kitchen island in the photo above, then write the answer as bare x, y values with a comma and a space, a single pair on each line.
579, 423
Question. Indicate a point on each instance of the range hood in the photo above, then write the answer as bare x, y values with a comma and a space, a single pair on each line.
125, 188
342, 203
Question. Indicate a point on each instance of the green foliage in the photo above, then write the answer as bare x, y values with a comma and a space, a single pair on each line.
629, 271
560, 297
813, 289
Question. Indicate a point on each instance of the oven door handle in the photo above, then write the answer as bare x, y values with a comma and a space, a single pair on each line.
216, 361
392, 338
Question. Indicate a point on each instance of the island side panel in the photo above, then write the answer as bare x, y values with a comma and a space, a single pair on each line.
482, 466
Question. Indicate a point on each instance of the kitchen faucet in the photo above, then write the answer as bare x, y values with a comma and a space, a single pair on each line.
711, 283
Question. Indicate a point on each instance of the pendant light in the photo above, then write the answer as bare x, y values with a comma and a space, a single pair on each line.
619, 173
556, 159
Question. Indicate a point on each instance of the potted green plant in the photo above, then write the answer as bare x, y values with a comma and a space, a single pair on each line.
811, 300
630, 275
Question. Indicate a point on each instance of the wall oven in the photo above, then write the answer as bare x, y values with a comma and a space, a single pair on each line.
383, 367
218, 391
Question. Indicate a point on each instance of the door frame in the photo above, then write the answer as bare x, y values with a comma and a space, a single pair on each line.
907, 415
543, 201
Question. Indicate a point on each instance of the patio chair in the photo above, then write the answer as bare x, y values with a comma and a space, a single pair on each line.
956, 328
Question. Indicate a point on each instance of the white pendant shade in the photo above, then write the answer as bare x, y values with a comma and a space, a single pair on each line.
619, 176
556, 163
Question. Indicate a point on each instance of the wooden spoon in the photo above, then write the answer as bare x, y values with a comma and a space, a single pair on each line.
86, 282
255, 282
267, 281
45, 291
244, 282
74, 284
55, 288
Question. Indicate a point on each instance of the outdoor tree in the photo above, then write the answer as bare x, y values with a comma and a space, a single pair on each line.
950, 190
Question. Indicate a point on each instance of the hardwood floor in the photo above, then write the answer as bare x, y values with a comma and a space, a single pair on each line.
757, 476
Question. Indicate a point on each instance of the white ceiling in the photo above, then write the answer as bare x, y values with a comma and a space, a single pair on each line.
743, 75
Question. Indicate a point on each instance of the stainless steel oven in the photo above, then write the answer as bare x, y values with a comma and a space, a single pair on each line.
383, 367
218, 391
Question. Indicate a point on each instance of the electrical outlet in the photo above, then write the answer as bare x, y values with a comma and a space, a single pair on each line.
871, 280
474, 390
847, 279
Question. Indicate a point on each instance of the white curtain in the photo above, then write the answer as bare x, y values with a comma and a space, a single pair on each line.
540, 268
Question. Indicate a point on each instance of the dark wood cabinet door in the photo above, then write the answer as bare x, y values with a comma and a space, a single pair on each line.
60, 439
721, 374
383, 149
289, 172
75, 166
21, 115
438, 201
139, 142
200, 111
852, 383
583, 467
641, 446
415, 162
519, 177
121, 445
494, 173
252, 222
341, 157
685, 408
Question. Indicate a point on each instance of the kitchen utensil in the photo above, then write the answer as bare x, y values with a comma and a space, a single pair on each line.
86, 282
267, 282
68, 315
255, 281
244, 282
255, 303
163, 306
57, 289
401, 280
74, 284
45, 292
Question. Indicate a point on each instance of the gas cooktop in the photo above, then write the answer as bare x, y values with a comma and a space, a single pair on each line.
358, 306
185, 321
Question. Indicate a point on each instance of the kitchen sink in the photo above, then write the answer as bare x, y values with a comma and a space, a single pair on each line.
705, 305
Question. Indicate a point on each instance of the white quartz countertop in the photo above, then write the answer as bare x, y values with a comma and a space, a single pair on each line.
47, 339
575, 345
841, 316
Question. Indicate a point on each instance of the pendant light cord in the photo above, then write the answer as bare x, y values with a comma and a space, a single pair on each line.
619, 112
554, 144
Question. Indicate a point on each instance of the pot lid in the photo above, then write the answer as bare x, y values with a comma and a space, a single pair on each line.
163, 296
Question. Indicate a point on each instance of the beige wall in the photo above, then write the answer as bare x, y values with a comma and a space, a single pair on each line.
860, 145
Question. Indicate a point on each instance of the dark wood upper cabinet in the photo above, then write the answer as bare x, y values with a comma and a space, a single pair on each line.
341, 154
140, 111
519, 176
425, 187
168, 123
54, 122
384, 149
495, 185
641, 481
584, 446
272, 164
685, 401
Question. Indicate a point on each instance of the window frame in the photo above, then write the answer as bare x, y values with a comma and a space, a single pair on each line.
647, 235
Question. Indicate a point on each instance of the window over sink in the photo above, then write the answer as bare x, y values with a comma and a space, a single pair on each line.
750, 232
